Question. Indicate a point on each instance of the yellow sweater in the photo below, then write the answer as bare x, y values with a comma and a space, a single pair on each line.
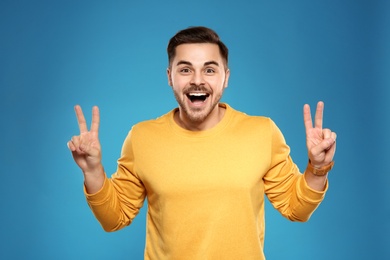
205, 189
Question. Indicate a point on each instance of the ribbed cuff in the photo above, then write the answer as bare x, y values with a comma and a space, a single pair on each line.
100, 196
308, 194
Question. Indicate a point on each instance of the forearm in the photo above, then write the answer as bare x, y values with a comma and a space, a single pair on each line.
305, 198
105, 201
310, 190
117, 202
317, 183
316, 177
94, 180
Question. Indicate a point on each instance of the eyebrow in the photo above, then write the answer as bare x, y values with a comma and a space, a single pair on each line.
211, 63
205, 64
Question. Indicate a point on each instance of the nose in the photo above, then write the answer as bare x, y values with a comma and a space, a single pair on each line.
197, 78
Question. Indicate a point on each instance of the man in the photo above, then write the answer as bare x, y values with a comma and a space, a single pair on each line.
204, 167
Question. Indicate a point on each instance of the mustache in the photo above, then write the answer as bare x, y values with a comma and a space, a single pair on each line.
196, 88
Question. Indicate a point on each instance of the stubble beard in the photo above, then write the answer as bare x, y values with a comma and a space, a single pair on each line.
196, 115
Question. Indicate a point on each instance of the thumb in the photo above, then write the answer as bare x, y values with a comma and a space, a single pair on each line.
324, 146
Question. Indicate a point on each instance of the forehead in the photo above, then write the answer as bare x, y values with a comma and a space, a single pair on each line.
197, 52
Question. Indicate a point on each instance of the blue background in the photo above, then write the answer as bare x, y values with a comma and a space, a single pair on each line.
55, 54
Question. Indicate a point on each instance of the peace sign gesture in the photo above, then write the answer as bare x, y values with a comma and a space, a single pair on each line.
85, 147
321, 143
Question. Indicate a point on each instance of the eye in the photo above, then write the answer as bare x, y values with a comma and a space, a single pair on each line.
210, 71
185, 70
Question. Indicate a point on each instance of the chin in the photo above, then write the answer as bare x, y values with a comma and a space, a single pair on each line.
197, 115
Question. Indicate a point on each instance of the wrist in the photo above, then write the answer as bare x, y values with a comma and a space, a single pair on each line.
94, 170
94, 180
319, 171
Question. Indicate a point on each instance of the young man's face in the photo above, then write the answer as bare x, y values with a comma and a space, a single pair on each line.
198, 77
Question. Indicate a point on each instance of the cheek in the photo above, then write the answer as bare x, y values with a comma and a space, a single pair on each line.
217, 84
179, 82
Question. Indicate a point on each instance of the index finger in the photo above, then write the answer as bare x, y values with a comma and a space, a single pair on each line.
81, 119
307, 117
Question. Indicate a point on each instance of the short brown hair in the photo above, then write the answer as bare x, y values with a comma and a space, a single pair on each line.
198, 34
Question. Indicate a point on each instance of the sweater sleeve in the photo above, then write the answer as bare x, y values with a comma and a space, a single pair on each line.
121, 197
285, 186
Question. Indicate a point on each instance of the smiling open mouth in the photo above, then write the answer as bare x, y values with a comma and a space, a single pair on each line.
197, 97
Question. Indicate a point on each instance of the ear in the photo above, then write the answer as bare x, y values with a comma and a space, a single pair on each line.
169, 75
227, 75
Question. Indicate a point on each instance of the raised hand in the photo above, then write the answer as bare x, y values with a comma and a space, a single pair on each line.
86, 150
321, 143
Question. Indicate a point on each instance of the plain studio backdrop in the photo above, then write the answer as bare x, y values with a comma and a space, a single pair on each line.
283, 54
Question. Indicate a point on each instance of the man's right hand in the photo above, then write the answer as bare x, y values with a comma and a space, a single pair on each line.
86, 150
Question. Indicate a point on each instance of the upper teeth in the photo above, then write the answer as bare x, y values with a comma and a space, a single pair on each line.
197, 94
